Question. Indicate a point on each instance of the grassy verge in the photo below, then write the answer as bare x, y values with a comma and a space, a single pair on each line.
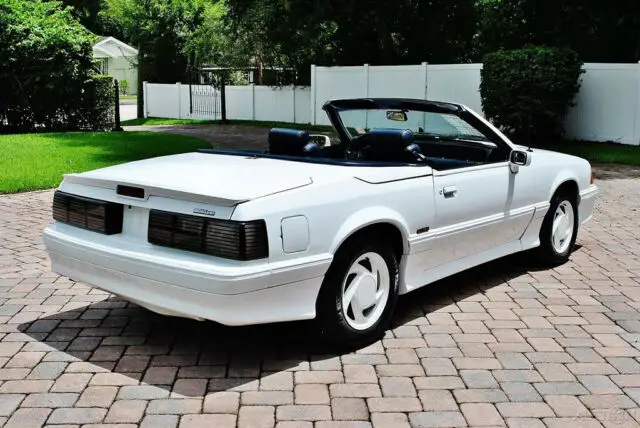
154, 121
600, 152
128, 97
151, 121
37, 161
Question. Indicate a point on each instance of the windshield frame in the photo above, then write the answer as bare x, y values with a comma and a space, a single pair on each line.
334, 107
414, 120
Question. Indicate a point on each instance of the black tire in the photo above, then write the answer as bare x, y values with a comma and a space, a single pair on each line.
331, 319
546, 253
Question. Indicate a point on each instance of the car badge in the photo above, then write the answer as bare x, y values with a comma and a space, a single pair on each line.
204, 211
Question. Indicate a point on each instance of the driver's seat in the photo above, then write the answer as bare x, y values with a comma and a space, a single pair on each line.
389, 145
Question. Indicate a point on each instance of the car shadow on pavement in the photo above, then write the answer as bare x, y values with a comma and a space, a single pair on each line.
120, 343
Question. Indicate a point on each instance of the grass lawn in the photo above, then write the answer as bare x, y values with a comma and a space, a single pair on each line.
128, 97
149, 121
37, 161
600, 152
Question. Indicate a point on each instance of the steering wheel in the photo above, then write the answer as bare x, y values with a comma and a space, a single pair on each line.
356, 150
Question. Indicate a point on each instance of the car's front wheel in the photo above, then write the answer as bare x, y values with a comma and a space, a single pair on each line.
559, 230
359, 293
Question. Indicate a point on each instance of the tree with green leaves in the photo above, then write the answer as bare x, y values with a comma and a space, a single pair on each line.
297, 33
598, 31
161, 30
46, 64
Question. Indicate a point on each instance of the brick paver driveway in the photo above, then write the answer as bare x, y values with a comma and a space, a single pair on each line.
505, 344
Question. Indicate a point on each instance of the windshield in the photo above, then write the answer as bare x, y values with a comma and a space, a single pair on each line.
441, 125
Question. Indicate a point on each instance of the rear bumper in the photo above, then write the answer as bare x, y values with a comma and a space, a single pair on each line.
177, 283
587, 203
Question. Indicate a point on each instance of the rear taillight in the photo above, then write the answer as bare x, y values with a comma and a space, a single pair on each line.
238, 240
86, 213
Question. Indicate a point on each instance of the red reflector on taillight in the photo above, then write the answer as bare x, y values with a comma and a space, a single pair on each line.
132, 192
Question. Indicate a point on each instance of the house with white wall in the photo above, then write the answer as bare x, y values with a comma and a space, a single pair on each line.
117, 59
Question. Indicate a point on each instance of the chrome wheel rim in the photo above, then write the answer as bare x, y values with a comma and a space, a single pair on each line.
562, 228
365, 291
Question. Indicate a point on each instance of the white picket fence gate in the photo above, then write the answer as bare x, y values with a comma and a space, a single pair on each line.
607, 106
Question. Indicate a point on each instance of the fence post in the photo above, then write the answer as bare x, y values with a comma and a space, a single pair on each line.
223, 98
253, 101
366, 93
293, 94
179, 90
425, 67
145, 98
313, 94
116, 90
636, 125
366, 80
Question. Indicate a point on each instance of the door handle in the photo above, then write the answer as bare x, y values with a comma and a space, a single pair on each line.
449, 192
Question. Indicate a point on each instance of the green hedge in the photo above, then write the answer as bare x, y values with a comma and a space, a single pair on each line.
46, 67
97, 108
528, 92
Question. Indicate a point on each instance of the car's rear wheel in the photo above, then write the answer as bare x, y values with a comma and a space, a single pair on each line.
359, 293
559, 230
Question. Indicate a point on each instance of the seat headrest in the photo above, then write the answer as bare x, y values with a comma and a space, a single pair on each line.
402, 137
389, 144
287, 141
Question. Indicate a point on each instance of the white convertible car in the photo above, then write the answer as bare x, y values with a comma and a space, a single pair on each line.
408, 192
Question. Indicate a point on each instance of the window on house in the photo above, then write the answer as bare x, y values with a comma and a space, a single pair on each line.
103, 65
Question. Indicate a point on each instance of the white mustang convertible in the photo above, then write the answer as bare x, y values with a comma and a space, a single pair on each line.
409, 192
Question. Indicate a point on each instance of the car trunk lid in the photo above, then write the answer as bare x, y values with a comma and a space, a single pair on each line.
199, 178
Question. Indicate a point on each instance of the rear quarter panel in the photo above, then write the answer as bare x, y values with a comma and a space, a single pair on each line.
336, 209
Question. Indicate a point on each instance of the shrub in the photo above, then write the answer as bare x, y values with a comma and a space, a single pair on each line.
45, 66
528, 92
124, 87
97, 110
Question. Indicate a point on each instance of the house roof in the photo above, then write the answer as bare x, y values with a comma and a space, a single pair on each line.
110, 47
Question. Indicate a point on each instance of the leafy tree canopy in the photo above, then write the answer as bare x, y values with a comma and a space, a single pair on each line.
598, 31
45, 65
297, 33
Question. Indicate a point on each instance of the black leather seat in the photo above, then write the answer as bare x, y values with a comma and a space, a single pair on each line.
388, 145
292, 142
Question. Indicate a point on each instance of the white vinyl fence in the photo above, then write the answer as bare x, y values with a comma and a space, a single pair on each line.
287, 104
607, 106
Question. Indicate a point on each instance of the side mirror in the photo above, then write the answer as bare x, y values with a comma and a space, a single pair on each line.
518, 158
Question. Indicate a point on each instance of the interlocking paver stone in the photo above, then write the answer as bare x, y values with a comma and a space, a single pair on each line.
126, 411
437, 419
160, 421
97, 396
384, 420
9, 403
256, 417
303, 413
312, 394
504, 345
50, 400
174, 406
222, 402
208, 421
481, 414
76, 416
24, 418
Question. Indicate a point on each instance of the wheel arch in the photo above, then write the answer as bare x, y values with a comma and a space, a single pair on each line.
383, 221
568, 186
